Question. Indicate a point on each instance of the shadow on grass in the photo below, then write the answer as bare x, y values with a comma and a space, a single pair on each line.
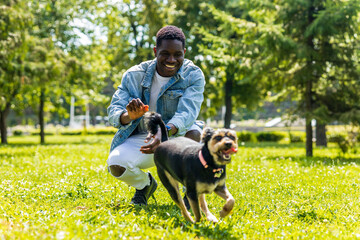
172, 215
27, 149
51, 143
281, 145
271, 145
315, 161
335, 160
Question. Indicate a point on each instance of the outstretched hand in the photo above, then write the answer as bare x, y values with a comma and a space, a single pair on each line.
150, 148
136, 109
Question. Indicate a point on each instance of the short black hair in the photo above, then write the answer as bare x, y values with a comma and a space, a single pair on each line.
170, 32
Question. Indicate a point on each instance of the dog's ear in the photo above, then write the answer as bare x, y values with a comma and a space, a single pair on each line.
206, 135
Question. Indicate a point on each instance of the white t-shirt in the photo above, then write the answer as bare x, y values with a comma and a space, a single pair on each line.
157, 83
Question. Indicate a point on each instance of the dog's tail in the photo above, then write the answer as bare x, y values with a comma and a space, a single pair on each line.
153, 121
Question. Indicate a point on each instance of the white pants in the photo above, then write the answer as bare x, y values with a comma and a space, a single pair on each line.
128, 156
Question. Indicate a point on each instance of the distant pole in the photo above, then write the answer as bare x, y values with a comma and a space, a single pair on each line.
223, 110
87, 115
208, 120
72, 111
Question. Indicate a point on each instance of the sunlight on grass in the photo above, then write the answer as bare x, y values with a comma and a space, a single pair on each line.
61, 190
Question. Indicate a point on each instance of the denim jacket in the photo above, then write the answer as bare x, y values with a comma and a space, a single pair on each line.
179, 101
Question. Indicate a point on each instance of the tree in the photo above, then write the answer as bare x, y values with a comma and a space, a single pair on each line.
45, 67
299, 50
190, 15
54, 67
324, 39
234, 52
14, 21
130, 28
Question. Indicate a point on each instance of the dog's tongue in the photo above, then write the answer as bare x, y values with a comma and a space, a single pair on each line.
231, 150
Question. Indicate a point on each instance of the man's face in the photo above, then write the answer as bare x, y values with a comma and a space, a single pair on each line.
170, 57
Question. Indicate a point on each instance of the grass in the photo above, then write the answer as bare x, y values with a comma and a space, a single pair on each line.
61, 190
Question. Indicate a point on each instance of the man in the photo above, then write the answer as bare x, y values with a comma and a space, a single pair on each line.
172, 86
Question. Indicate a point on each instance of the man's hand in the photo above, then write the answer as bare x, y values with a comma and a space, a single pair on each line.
135, 109
150, 148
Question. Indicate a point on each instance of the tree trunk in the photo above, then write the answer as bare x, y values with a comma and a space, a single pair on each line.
41, 116
308, 110
228, 101
321, 134
308, 87
3, 130
309, 143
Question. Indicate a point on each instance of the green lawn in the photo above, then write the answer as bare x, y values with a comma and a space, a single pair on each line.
61, 190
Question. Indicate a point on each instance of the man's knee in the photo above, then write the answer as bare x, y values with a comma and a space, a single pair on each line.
194, 135
116, 170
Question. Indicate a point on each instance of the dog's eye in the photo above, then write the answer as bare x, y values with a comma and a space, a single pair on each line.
218, 138
231, 137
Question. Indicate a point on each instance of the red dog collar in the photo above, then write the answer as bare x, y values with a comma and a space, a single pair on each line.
217, 171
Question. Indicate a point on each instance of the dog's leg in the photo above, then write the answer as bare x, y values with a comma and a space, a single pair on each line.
194, 203
205, 209
172, 187
230, 201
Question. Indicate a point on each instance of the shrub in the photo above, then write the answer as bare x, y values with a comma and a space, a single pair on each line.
336, 138
90, 131
37, 133
269, 136
246, 136
341, 141
72, 132
345, 143
18, 133
102, 131
296, 137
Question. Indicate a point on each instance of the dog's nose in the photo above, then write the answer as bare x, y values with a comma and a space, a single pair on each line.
228, 144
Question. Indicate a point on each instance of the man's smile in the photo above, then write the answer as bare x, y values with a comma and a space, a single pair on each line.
170, 66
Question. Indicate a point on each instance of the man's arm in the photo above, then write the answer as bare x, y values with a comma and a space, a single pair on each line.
189, 103
124, 108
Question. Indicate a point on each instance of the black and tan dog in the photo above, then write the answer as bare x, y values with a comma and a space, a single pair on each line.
199, 167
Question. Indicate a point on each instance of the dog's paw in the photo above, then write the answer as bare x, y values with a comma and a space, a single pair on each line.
212, 218
224, 213
187, 216
191, 220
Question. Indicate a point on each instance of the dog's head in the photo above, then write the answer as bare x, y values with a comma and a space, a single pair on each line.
221, 144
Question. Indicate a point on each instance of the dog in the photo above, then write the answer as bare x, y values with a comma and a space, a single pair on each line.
200, 167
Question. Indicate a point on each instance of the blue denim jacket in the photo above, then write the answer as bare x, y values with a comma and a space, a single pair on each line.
178, 103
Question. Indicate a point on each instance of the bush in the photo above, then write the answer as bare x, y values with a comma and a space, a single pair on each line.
269, 136
102, 131
336, 138
37, 133
89, 131
296, 137
341, 141
72, 132
246, 136
18, 133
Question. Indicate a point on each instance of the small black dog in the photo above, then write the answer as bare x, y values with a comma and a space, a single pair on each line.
199, 167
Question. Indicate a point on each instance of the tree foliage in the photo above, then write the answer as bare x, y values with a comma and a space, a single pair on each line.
45, 53
323, 57
234, 51
305, 51
14, 21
